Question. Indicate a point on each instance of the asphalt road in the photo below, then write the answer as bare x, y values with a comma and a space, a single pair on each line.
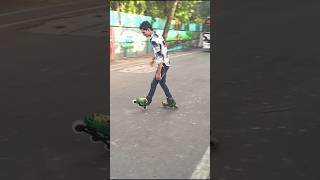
266, 90
48, 80
159, 143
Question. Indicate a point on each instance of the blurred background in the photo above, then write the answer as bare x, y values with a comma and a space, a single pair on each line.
182, 23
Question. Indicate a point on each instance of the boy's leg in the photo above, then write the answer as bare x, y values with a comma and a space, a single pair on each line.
163, 83
153, 87
170, 100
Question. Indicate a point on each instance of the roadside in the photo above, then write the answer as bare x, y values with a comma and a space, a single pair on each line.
146, 58
141, 64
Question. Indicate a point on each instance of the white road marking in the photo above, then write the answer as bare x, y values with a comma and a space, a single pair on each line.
144, 61
130, 62
202, 171
185, 54
48, 17
139, 66
138, 69
125, 65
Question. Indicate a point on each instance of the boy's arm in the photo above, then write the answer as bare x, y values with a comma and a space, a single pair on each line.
159, 69
158, 73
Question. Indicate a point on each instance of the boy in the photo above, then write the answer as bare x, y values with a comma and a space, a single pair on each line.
163, 63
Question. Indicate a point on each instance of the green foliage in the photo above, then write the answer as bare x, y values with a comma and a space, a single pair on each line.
155, 9
189, 33
134, 7
186, 11
204, 9
114, 5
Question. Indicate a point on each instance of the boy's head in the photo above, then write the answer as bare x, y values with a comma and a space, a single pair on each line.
146, 28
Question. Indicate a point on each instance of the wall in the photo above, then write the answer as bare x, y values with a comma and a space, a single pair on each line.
127, 40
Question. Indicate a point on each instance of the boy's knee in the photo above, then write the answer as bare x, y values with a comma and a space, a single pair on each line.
153, 84
162, 83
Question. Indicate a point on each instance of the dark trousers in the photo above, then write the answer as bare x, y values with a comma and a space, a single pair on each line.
162, 82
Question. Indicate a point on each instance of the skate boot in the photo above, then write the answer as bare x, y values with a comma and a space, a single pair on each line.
144, 102
170, 102
149, 100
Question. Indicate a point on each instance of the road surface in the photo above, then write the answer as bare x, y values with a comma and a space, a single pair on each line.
159, 143
49, 78
266, 90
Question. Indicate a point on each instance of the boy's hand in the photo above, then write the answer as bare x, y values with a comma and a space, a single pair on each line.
158, 76
151, 62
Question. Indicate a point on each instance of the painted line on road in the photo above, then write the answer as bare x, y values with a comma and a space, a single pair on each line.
144, 61
48, 17
186, 54
138, 69
125, 63
33, 9
137, 64
202, 171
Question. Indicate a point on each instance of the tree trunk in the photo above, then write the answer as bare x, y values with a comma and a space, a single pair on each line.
118, 10
170, 15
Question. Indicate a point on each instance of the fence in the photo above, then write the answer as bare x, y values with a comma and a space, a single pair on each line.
127, 40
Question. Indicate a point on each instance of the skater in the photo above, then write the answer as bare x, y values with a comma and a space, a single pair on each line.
161, 58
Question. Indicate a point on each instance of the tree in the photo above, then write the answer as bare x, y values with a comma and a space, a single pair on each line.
185, 10
155, 9
134, 7
204, 9
170, 10
182, 11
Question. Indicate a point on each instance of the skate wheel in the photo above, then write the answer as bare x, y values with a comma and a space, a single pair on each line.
78, 126
134, 101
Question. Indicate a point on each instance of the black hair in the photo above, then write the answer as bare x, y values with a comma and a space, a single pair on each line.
145, 25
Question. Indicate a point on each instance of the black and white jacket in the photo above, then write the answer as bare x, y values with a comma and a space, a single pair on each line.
159, 49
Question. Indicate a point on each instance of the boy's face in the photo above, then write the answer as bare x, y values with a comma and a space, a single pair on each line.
146, 33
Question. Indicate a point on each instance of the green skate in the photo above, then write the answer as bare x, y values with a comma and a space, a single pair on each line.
170, 103
141, 102
97, 126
